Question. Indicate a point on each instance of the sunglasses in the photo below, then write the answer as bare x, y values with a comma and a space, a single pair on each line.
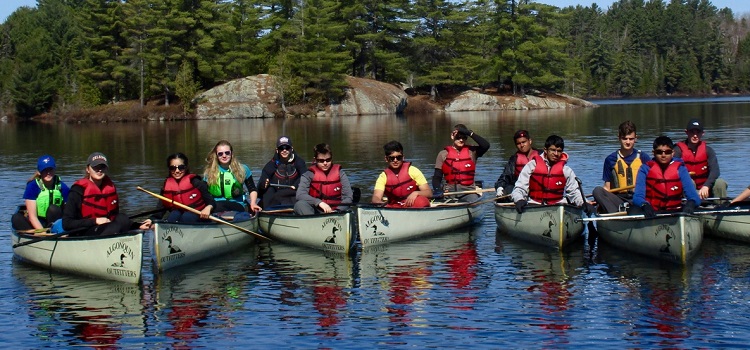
321, 160
180, 167
658, 151
395, 158
221, 154
99, 168
284, 148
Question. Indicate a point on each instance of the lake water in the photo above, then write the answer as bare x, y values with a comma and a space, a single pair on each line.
474, 287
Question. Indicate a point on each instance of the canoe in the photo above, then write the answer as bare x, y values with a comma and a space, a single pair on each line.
177, 244
555, 226
378, 225
332, 232
116, 257
674, 237
731, 223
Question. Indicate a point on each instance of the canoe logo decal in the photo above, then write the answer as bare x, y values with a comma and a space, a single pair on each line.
668, 235
333, 226
170, 236
121, 256
374, 230
551, 222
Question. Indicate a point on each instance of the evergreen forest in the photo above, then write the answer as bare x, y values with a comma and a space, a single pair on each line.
70, 54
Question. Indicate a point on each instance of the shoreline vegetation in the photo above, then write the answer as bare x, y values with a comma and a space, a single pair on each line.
79, 61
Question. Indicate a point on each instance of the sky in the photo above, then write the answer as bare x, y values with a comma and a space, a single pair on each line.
739, 7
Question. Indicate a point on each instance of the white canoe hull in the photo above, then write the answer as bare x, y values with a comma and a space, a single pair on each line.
731, 223
332, 232
554, 226
116, 257
380, 225
675, 237
177, 244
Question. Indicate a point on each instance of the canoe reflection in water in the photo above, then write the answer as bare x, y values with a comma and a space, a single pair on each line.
329, 274
409, 271
99, 313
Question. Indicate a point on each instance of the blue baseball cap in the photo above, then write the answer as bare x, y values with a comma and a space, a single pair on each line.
45, 162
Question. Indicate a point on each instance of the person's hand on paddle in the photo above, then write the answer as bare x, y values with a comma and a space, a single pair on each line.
500, 192
689, 207
206, 212
146, 224
704, 192
255, 207
648, 210
520, 205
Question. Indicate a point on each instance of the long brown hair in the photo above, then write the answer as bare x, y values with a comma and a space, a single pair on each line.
211, 173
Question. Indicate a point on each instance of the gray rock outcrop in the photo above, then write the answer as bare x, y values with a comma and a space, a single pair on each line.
475, 101
249, 97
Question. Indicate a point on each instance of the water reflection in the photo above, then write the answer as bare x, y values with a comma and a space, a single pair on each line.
74, 311
193, 299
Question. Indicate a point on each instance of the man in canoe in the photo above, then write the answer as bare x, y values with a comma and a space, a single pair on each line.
280, 177
457, 163
507, 180
662, 183
403, 184
324, 187
547, 178
701, 162
620, 171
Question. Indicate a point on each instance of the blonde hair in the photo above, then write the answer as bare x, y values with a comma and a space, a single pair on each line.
211, 173
37, 175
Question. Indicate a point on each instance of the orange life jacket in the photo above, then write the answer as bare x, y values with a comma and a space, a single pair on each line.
458, 167
98, 202
664, 189
327, 186
399, 186
547, 186
696, 163
183, 192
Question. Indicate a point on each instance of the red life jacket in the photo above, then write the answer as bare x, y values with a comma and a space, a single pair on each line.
98, 203
547, 186
183, 192
399, 186
458, 167
696, 163
664, 189
326, 186
522, 160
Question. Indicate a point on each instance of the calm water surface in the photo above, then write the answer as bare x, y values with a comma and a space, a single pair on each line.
474, 287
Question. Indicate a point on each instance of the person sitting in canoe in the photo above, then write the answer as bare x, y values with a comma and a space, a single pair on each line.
184, 187
280, 177
44, 197
324, 187
507, 180
701, 162
403, 184
620, 171
547, 178
225, 176
93, 207
663, 182
457, 163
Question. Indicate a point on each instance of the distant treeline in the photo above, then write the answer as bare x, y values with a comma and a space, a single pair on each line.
68, 54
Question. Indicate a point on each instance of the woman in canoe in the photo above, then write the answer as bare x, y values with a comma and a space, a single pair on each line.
44, 196
184, 187
403, 184
225, 176
324, 187
280, 177
93, 207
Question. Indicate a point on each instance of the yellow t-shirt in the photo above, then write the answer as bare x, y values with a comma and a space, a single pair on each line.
414, 173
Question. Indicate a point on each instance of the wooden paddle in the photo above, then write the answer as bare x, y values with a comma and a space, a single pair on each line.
59, 234
613, 190
477, 191
195, 211
624, 217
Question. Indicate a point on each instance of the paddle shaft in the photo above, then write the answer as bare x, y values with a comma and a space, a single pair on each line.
477, 191
195, 211
42, 238
612, 190
283, 186
624, 217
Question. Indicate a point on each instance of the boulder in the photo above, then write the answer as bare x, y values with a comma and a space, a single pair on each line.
476, 101
367, 96
249, 97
